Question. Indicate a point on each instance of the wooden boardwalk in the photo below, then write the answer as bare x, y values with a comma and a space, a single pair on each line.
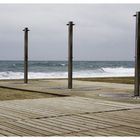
68, 116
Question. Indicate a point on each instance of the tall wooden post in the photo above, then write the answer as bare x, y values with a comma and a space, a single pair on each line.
137, 56
70, 53
26, 55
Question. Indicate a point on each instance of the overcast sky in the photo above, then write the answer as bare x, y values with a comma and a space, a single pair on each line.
102, 31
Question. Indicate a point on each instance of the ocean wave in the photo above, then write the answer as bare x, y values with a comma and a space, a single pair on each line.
119, 71
102, 72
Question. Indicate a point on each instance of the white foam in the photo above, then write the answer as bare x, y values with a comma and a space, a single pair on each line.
104, 72
119, 71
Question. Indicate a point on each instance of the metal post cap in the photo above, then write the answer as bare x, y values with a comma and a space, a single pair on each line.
26, 29
70, 22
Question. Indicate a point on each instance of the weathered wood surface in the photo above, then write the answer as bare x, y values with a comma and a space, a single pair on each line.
68, 116
59, 87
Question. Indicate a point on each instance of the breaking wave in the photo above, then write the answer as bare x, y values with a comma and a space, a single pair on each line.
101, 72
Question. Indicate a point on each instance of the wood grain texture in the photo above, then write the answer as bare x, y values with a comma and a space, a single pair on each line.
68, 116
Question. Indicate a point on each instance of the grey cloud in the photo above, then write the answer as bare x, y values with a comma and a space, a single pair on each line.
102, 31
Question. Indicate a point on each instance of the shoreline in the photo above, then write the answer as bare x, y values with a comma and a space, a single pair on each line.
121, 80
112, 79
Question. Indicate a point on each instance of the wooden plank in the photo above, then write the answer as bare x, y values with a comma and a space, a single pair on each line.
72, 122
8, 117
53, 126
135, 110
105, 118
19, 111
121, 115
40, 131
57, 106
22, 114
69, 106
85, 124
87, 133
6, 133
104, 102
79, 105
119, 104
47, 127
12, 129
131, 130
23, 130
34, 112
89, 107
75, 134
64, 122
88, 116
12, 113
5, 118
120, 132
91, 121
65, 126
125, 116
98, 132
101, 132
15, 110
104, 132
130, 114
80, 125
12, 116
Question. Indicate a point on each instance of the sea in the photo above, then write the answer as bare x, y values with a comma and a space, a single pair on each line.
58, 69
